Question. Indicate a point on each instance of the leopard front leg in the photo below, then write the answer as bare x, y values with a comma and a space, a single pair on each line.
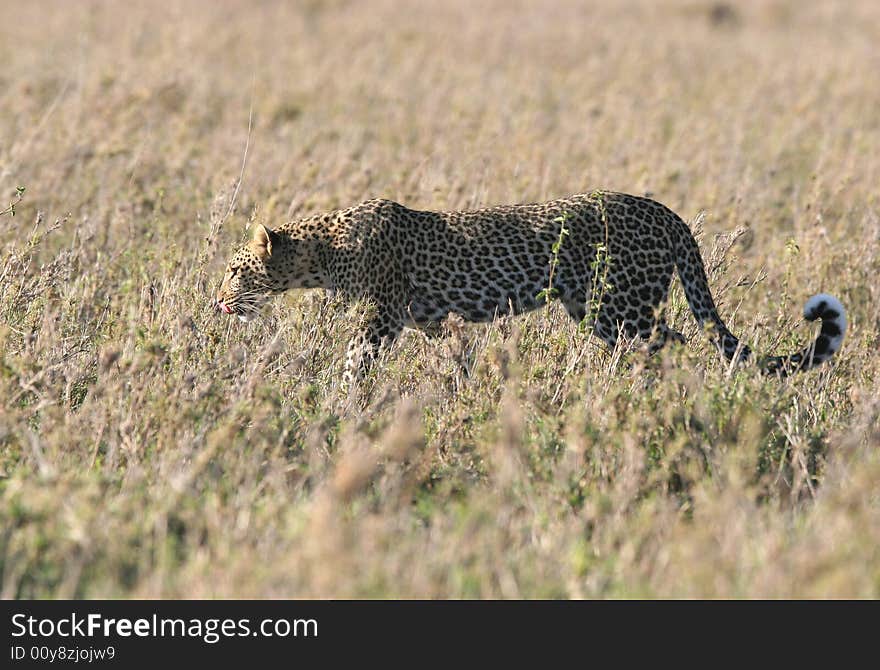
379, 330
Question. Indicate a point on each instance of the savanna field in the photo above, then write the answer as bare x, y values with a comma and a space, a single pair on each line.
153, 448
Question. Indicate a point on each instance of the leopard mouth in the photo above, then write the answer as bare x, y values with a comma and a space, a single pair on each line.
245, 313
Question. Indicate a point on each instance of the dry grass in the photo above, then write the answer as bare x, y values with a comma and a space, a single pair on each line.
149, 448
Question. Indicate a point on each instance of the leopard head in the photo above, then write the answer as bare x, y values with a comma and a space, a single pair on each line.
253, 274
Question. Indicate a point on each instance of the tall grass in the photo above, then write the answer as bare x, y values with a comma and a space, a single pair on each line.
151, 448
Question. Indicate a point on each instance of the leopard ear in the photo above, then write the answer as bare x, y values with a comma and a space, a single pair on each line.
262, 240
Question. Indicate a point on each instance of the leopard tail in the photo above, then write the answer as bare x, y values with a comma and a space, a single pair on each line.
824, 307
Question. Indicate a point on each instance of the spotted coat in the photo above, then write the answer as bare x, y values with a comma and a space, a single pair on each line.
608, 257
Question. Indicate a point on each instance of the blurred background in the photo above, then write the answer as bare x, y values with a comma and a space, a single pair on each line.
738, 108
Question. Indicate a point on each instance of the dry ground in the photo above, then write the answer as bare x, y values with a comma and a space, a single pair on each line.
150, 448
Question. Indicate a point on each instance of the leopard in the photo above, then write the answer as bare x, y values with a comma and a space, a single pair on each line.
608, 257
